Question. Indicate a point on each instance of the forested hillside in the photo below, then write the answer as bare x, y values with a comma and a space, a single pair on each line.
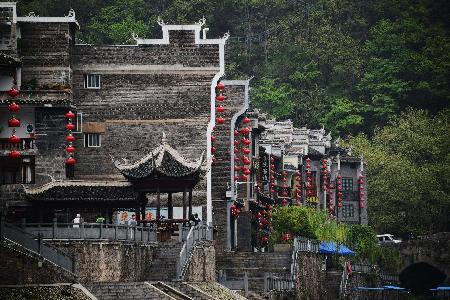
350, 65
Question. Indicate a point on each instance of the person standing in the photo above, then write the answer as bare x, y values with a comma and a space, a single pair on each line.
132, 223
77, 221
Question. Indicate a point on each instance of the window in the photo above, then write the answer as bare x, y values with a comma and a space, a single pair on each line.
348, 211
92, 81
347, 184
92, 140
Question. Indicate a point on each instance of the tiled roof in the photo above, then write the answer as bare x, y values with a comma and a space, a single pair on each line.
163, 160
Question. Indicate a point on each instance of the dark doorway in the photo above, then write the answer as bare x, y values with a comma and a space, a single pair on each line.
419, 278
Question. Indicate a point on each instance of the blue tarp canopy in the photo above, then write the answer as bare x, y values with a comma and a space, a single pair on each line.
393, 287
332, 248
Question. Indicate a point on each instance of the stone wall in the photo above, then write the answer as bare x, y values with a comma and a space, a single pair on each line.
20, 267
109, 261
221, 169
309, 276
45, 49
202, 266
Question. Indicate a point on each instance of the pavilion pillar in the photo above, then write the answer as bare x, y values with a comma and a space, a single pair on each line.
184, 204
158, 204
142, 199
169, 206
190, 203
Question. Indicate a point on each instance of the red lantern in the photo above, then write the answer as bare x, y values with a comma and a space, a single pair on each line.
13, 92
70, 115
237, 168
70, 138
213, 138
220, 120
14, 139
308, 166
70, 149
70, 126
13, 107
340, 204
245, 150
361, 204
220, 86
247, 172
265, 239
308, 172
236, 143
246, 141
284, 202
284, 193
14, 154
243, 177
13, 122
220, 98
339, 177
308, 160
245, 131
213, 149
272, 190
272, 159
214, 159
236, 150
361, 176
236, 133
220, 109
246, 120
70, 161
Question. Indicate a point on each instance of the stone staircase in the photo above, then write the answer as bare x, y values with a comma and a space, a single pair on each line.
126, 291
190, 290
164, 264
332, 283
236, 264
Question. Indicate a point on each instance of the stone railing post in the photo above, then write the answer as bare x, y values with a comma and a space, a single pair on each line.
246, 284
39, 238
100, 230
82, 233
180, 230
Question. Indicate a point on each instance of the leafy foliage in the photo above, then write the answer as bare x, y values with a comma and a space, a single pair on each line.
408, 165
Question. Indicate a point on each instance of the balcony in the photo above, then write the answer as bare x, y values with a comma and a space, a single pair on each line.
24, 144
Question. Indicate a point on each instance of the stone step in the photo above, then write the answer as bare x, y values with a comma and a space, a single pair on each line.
125, 291
189, 290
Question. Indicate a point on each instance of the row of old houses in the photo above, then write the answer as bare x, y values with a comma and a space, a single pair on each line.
157, 131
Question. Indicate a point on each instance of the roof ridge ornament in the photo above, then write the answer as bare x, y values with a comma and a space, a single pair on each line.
71, 13
32, 14
201, 22
226, 35
160, 21
164, 139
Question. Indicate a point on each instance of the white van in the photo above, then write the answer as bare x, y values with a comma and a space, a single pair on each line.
387, 238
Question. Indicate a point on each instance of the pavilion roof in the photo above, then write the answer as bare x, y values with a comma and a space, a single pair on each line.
165, 161
83, 190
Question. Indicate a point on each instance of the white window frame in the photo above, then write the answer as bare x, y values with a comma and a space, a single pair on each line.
87, 81
79, 123
87, 143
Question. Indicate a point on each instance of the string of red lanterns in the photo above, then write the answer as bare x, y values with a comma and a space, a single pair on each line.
340, 194
235, 210
361, 191
245, 150
331, 200
308, 177
298, 185
14, 140
271, 174
220, 87
70, 161
284, 192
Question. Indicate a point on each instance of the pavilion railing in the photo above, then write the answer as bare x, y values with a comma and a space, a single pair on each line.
36, 245
195, 234
92, 231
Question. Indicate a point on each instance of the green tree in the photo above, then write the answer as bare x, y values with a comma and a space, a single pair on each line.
408, 165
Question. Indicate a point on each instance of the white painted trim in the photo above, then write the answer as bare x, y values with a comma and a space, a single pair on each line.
196, 28
85, 291
245, 83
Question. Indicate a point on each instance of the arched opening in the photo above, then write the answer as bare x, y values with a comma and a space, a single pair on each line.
421, 277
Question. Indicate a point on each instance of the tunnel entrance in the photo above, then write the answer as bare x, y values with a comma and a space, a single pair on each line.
419, 278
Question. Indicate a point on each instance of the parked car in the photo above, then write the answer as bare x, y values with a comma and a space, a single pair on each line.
387, 238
